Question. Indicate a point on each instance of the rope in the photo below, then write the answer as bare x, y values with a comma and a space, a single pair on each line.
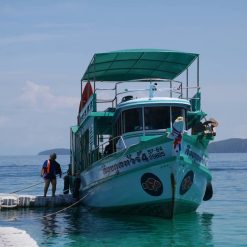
33, 185
51, 214
57, 212
45, 216
26, 187
66, 190
70, 206
60, 211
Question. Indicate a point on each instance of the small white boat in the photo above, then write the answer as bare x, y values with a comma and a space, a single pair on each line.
140, 143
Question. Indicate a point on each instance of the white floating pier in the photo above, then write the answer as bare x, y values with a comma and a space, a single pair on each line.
22, 201
10, 236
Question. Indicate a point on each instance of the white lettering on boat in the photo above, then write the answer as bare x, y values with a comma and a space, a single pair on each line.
195, 156
87, 109
140, 157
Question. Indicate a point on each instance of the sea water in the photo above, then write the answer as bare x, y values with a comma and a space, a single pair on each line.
222, 221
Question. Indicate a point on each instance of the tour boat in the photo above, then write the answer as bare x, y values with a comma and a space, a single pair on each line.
140, 142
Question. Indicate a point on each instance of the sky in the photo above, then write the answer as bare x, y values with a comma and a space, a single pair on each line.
45, 47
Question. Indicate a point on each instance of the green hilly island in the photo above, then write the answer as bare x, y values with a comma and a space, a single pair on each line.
233, 145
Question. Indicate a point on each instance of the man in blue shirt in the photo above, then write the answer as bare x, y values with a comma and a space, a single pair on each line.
49, 171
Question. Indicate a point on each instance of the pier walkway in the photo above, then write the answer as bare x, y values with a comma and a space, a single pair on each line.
22, 201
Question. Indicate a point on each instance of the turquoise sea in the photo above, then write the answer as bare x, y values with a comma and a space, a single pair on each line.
221, 221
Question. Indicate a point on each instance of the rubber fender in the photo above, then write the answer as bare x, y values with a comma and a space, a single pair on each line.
209, 192
76, 187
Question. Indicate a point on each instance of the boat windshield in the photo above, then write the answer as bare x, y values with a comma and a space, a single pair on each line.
132, 120
147, 118
157, 117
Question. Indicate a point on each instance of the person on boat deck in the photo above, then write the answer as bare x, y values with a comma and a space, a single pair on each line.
109, 148
49, 171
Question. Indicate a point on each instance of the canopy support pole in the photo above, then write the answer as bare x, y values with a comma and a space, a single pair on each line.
171, 89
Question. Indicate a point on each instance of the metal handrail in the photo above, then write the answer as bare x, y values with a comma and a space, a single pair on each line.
131, 91
103, 145
111, 139
104, 89
179, 90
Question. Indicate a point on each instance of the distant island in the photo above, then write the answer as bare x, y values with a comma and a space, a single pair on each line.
58, 151
233, 145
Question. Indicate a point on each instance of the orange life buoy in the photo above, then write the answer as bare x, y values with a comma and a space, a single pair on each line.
86, 94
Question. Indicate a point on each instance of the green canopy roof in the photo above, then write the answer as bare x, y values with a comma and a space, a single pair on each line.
128, 65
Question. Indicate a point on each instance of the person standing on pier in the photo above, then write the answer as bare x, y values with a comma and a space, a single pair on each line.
49, 171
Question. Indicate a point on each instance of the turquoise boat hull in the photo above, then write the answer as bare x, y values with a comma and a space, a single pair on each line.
149, 178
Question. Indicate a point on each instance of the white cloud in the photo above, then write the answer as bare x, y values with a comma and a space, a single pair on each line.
41, 98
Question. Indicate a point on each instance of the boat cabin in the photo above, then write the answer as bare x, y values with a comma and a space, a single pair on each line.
141, 119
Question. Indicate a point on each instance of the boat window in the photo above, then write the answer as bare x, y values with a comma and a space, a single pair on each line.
118, 126
157, 117
132, 120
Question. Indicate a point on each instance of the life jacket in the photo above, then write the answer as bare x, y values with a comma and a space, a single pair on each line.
47, 169
48, 166
51, 169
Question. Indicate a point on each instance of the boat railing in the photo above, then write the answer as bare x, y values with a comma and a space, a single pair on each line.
113, 145
175, 89
152, 85
108, 100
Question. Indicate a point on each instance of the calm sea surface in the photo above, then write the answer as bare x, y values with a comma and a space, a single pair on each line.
221, 221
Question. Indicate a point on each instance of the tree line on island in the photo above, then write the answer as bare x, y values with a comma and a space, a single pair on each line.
233, 145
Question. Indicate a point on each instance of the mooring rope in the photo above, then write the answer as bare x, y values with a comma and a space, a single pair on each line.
33, 185
54, 213
64, 209
70, 206
45, 216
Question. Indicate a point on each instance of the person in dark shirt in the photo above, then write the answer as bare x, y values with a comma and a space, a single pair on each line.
109, 149
49, 171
